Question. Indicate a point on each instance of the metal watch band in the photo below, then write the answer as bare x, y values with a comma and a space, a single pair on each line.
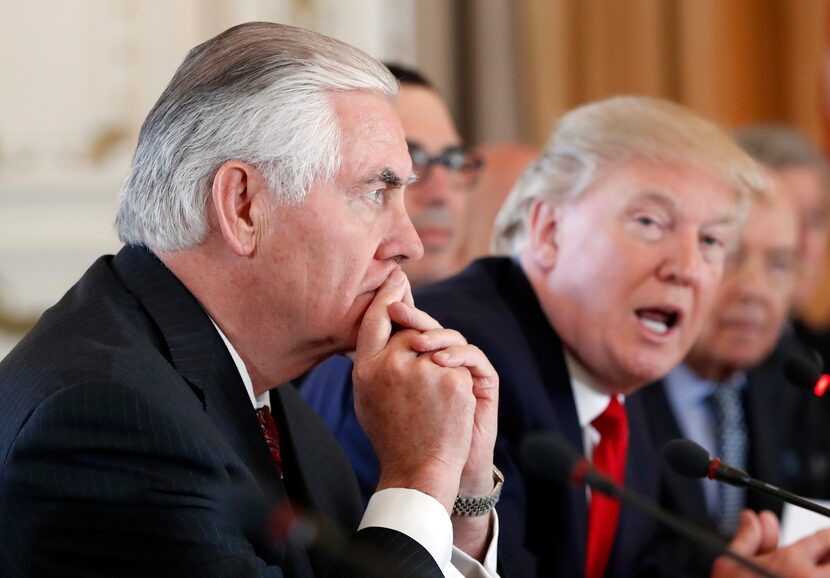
479, 506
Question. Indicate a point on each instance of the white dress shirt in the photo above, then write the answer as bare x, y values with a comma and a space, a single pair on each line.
418, 515
590, 402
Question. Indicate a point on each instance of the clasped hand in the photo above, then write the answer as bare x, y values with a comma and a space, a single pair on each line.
427, 399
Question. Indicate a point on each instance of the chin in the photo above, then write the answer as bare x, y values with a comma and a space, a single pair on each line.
647, 371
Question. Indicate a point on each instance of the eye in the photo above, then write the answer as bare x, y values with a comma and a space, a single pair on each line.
646, 221
713, 241
376, 196
780, 263
647, 225
650, 225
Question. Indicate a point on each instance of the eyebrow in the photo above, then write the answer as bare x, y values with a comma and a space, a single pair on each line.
390, 177
656, 197
670, 203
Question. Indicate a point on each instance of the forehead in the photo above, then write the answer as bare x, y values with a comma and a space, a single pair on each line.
772, 224
426, 118
686, 191
371, 136
804, 184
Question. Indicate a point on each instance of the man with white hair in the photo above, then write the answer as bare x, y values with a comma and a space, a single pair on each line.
147, 427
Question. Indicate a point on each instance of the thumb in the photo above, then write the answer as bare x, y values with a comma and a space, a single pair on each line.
746, 543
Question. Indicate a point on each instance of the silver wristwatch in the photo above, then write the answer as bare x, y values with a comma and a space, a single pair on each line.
479, 506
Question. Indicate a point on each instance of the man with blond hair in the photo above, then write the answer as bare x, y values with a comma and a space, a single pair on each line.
616, 238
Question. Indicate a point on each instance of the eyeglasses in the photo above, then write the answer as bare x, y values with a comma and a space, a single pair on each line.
462, 165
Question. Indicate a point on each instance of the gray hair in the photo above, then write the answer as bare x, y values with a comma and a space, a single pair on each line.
258, 93
596, 136
779, 146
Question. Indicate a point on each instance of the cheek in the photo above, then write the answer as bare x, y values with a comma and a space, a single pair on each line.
710, 285
780, 310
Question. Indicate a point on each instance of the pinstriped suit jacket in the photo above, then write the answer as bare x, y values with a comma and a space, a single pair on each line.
129, 447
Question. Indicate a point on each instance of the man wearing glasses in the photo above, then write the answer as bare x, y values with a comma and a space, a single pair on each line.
436, 203
446, 171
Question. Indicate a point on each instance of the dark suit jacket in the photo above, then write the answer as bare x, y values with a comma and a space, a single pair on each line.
129, 447
784, 450
543, 528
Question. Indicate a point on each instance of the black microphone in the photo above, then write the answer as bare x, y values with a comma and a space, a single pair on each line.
804, 375
551, 458
690, 460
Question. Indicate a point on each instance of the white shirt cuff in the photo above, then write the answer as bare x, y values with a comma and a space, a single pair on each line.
469, 567
419, 516
424, 519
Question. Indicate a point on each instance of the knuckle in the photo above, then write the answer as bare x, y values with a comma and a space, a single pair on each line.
456, 335
457, 379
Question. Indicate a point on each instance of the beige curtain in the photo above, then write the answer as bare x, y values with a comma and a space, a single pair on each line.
735, 61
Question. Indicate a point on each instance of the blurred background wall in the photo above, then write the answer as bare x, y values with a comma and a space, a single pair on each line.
77, 78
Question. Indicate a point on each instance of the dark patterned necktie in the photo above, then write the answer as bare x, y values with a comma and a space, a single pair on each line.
272, 436
731, 437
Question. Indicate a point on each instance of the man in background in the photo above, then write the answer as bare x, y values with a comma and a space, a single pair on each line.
802, 173
447, 174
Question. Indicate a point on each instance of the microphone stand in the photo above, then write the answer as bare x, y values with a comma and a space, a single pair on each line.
713, 543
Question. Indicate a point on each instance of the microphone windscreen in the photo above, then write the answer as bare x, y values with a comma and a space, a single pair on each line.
687, 458
549, 457
801, 373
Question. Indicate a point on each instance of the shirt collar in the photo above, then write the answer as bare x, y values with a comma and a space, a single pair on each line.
687, 388
589, 398
263, 400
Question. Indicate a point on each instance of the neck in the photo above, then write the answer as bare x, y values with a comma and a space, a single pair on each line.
711, 369
273, 354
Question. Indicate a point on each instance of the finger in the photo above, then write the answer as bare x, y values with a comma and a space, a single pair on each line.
435, 339
468, 356
376, 326
411, 317
748, 538
770, 531
815, 548
407, 296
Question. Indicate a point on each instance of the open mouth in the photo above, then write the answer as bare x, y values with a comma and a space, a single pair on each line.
659, 320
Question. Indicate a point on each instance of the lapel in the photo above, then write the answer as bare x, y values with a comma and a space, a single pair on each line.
769, 403
635, 530
559, 407
198, 353
679, 494
325, 479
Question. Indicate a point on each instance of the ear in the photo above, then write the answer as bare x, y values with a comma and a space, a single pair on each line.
542, 246
241, 201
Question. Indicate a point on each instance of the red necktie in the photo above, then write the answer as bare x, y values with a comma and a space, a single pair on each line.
604, 514
272, 437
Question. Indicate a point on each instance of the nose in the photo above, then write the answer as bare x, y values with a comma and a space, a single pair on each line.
402, 242
749, 278
683, 262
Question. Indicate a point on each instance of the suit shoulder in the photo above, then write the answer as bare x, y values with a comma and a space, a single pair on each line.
96, 338
460, 301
